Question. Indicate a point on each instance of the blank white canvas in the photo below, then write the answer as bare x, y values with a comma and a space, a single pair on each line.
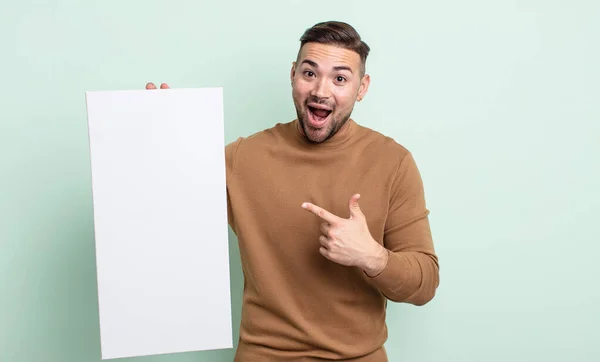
160, 220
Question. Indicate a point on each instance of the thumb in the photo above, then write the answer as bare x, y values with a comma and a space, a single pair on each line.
354, 207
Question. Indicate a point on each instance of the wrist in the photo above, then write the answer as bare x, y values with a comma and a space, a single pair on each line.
377, 262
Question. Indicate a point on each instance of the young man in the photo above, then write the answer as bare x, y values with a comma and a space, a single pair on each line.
318, 265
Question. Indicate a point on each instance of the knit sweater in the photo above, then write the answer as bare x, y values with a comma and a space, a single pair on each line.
297, 304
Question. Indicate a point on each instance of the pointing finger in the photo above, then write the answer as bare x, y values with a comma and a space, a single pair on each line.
320, 212
150, 86
164, 86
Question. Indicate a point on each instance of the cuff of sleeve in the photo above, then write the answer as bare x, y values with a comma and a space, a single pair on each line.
395, 276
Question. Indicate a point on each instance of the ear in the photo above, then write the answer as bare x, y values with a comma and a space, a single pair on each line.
363, 88
293, 72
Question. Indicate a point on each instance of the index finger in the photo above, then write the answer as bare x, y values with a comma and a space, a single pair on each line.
320, 212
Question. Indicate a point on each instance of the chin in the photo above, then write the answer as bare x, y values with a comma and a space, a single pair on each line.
317, 135
323, 133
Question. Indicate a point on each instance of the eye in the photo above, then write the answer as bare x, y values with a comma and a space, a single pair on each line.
340, 79
309, 73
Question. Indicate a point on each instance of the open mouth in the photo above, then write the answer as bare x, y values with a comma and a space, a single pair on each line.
317, 117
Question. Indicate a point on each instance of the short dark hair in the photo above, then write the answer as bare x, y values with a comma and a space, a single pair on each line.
337, 33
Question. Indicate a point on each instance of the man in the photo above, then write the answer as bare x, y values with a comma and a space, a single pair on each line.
318, 265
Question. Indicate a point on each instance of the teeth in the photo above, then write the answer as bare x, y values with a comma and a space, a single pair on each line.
322, 109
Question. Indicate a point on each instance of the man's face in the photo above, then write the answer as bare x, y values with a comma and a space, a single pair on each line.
326, 81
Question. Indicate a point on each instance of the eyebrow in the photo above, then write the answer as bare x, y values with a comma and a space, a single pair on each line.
315, 65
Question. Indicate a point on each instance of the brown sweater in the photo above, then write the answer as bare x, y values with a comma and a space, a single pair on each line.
298, 305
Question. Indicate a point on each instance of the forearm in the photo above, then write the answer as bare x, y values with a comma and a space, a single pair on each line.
409, 277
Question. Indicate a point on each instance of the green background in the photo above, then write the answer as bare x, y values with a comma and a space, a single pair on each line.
498, 100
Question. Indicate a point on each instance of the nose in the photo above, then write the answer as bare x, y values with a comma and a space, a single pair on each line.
321, 89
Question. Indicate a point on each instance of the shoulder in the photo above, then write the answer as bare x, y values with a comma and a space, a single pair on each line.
258, 139
383, 145
255, 144
399, 161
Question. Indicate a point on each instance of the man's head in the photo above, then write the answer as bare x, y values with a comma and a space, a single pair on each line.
328, 76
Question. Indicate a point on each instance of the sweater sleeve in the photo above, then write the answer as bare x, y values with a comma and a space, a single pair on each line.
412, 271
230, 157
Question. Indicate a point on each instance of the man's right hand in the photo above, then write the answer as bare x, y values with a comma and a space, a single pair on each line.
152, 86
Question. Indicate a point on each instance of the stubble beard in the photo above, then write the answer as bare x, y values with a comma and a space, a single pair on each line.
333, 126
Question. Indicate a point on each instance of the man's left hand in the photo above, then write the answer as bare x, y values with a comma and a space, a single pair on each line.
348, 241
